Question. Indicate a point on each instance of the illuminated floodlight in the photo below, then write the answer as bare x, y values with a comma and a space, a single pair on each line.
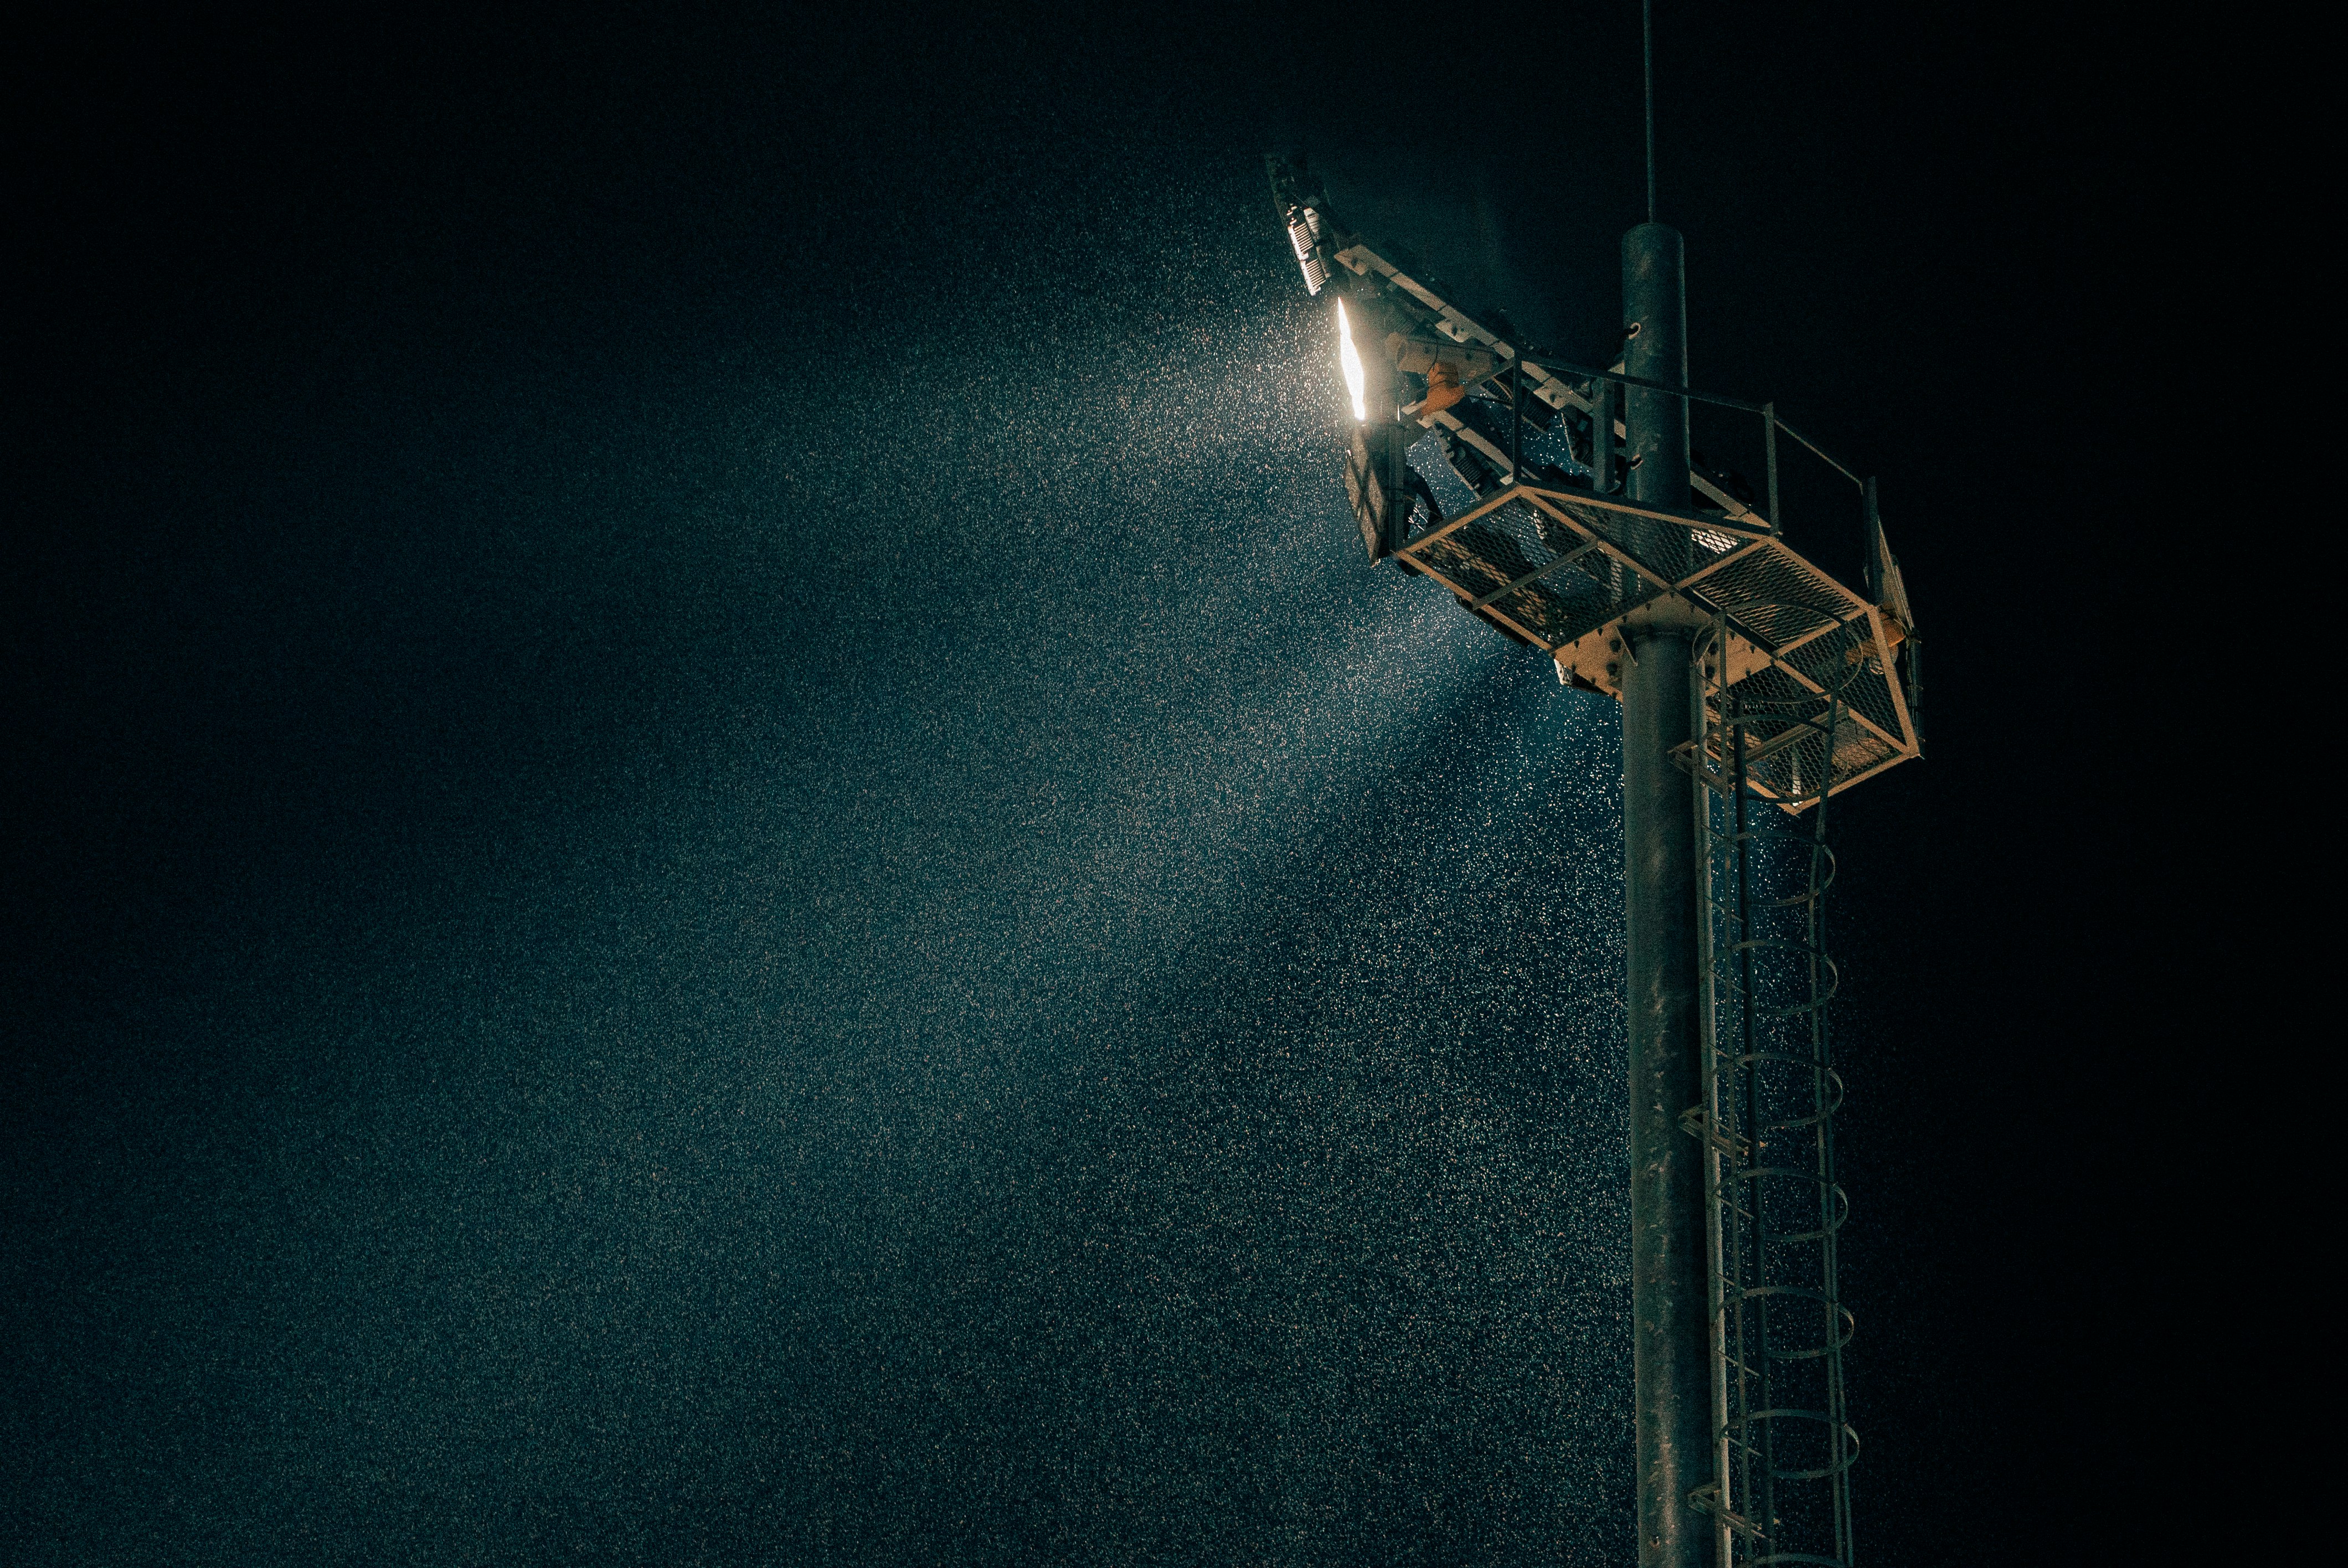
1356, 383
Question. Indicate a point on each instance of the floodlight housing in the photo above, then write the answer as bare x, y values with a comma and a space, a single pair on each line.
1305, 237
1378, 487
1302, 211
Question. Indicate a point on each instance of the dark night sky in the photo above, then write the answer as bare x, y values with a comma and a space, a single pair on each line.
717, 855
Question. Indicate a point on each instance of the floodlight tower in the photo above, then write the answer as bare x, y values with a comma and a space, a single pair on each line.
1749, 678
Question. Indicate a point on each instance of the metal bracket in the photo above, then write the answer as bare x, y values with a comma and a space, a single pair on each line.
1705, 1499
1698, 1126
1683, 757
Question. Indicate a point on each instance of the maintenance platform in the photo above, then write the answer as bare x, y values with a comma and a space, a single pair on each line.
1555, 556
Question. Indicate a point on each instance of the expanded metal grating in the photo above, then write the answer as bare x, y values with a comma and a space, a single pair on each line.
1776, 593
1559, 568
1489, 551
1851, 658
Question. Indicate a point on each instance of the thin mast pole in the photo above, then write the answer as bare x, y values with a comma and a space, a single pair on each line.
1647, 51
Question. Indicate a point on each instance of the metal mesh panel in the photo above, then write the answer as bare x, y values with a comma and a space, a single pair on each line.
1786, 742
1778, 596
1783, 724
1577, 600
1850, 661
1494, 550
1516, 539
1770, 690
1792, 771
1663, 549
1856, 751
1512, 533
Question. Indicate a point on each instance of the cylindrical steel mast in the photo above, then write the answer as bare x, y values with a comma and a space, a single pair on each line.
1654, 318
1669, 1315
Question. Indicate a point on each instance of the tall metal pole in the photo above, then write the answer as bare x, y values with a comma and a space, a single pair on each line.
1647, 55
1669, 1322
1654, 315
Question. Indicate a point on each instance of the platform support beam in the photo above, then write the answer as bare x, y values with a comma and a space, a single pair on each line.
1670, 1322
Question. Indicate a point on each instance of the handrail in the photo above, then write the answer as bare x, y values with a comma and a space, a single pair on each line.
1767, 411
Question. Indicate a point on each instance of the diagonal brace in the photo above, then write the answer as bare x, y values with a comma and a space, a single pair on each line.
1535, 575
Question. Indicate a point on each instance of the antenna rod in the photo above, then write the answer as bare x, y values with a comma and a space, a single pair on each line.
1647, 49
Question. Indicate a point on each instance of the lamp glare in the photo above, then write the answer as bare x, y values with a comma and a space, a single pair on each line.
1351, 361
